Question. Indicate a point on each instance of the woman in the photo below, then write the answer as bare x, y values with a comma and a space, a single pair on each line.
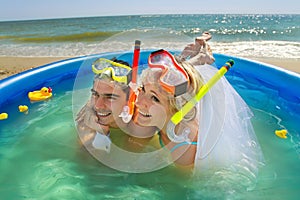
156, 105
219, 126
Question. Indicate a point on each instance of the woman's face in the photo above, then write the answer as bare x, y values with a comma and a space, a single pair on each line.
152, 107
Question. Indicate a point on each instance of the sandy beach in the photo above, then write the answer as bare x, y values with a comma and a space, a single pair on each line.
289, 64
14, 65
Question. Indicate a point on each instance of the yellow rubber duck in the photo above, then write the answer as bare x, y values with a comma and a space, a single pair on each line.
3, 116
40, 95
281, 133
23, 108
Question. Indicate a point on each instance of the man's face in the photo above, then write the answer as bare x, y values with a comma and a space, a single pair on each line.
108, 100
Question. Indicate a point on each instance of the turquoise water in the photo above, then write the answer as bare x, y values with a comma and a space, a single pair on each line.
274, 36
42, 159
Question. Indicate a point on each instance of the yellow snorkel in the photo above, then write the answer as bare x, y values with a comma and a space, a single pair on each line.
178, 116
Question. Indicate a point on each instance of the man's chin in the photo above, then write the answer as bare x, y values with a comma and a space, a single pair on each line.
105, 121
110, 121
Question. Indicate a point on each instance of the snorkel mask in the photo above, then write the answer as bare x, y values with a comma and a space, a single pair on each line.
119, 72
174, 78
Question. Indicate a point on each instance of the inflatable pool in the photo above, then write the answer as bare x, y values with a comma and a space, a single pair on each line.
41, 157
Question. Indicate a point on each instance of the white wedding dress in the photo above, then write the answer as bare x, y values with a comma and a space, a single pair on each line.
226, 138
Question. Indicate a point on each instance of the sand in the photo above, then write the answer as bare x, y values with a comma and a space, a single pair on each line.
14, 65
289, 64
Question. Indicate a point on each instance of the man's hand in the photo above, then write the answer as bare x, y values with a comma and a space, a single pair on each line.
87, 119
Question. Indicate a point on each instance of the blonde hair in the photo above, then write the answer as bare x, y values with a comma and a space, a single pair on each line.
195, 83
175, 103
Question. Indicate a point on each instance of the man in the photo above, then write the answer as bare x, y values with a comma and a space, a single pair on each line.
102, 112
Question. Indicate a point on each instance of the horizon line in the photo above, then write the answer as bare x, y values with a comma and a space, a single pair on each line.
124, 15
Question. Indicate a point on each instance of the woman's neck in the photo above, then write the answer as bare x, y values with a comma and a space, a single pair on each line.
164, 137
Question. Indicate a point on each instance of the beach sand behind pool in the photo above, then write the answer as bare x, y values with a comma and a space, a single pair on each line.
13, 65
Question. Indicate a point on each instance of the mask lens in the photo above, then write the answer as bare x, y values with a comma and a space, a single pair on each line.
162, 59
174, 79
102, 64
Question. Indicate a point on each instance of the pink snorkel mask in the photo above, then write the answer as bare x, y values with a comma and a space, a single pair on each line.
174, 78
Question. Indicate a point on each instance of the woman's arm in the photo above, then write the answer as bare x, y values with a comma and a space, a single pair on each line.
184, 153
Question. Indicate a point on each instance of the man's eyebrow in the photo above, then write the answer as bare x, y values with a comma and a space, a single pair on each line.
110, 95
93, 91
106, 94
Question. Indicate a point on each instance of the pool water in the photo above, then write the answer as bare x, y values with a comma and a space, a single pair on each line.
41, 158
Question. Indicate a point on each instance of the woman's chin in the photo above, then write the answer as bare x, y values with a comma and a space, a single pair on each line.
143, 120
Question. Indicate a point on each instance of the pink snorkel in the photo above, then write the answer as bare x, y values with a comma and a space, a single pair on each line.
129, 109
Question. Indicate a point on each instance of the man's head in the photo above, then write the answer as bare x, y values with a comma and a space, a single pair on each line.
109, 97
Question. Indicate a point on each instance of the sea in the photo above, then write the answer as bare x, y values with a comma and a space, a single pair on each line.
269, 36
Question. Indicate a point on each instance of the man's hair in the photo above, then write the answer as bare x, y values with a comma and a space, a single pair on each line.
114, 59
105, 76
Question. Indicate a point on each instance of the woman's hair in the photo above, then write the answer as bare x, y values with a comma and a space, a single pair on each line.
195, 83
152, 75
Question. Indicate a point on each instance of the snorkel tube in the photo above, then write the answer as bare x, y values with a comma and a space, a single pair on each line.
178, 116
129, 109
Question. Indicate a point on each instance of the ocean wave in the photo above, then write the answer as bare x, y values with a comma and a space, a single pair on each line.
268, 49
